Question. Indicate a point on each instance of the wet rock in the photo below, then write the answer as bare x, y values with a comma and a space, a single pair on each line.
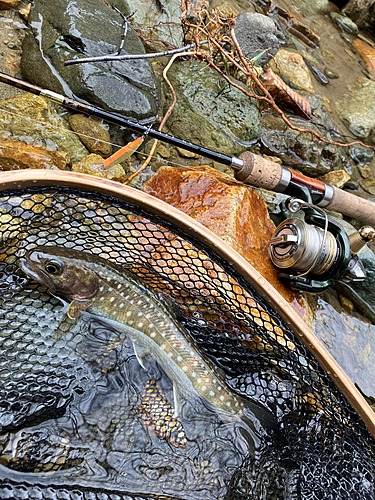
91, 165
17, 155
8, 4
336, 178
59, 32
209, 112
293, 23
362, 12
256, 33
10, 33
93, 134
184, 153
306, 7
156, 24
344, 23
229, 7
297, 150
236, 213
35, 120
360, 154
365, 171
163, 151
367, 53
292, 68
354, 110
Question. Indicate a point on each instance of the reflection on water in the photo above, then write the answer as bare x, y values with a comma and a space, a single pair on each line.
119, 428
350, 341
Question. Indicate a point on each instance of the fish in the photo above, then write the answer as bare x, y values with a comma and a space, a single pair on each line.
115, 295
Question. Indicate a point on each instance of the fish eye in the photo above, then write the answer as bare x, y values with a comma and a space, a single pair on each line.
53, 267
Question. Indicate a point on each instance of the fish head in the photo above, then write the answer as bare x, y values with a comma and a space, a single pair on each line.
62, 270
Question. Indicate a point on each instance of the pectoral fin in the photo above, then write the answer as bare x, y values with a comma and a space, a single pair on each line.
177, 400
141, 354
75, 308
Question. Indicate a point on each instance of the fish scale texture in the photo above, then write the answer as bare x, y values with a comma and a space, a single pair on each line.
81, 420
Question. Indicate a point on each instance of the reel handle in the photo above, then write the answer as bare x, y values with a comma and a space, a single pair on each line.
267, 174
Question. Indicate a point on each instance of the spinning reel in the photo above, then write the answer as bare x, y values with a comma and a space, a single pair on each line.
314, 251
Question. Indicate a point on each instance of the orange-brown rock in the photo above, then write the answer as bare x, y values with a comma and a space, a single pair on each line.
236, 213
367, 53
8, 4
18, 155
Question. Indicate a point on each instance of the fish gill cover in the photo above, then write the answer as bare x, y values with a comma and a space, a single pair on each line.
81, 419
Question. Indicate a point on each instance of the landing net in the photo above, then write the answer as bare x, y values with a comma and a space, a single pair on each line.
320, 448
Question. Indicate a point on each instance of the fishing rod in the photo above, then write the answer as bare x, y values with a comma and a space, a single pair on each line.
312, 250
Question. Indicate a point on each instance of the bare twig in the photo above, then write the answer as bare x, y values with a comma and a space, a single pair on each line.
166, 116
123, 57
241, 63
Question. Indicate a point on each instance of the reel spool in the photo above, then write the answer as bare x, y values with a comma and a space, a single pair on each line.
316, 249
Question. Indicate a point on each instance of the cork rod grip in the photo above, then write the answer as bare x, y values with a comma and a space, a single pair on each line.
352, 206
259, 172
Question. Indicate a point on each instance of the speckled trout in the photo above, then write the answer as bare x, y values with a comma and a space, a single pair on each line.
112, 293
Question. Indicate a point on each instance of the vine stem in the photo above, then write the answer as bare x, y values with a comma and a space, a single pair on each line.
166, 116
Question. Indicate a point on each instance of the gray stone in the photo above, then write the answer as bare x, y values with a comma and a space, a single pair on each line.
255, 33
344, 23
209, 112
360, 154
154, 24
354, 109
60, 32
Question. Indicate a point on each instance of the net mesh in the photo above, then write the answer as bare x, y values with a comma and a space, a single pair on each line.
320, 448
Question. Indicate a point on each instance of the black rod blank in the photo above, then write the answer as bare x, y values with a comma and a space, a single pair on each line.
118, 120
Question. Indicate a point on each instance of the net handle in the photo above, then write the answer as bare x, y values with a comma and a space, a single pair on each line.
22, 179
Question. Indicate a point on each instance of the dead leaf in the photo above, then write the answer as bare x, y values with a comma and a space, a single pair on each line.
284, 95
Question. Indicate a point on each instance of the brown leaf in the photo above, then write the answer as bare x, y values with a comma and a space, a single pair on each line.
286, 96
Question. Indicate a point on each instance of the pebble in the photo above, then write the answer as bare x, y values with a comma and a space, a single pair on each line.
330, 73
346, 303
344, 23
92, 133
336, 178
185, 153
365, 171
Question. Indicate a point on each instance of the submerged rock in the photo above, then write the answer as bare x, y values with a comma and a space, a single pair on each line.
17, 155
92, 165
354, 110
94, 135
298, 150
344, 23
35, 120
61, 30
210, 112
256, 33
235, 213
306, 7
292, 68
367, 53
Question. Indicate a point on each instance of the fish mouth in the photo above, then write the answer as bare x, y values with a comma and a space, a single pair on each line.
35, 274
